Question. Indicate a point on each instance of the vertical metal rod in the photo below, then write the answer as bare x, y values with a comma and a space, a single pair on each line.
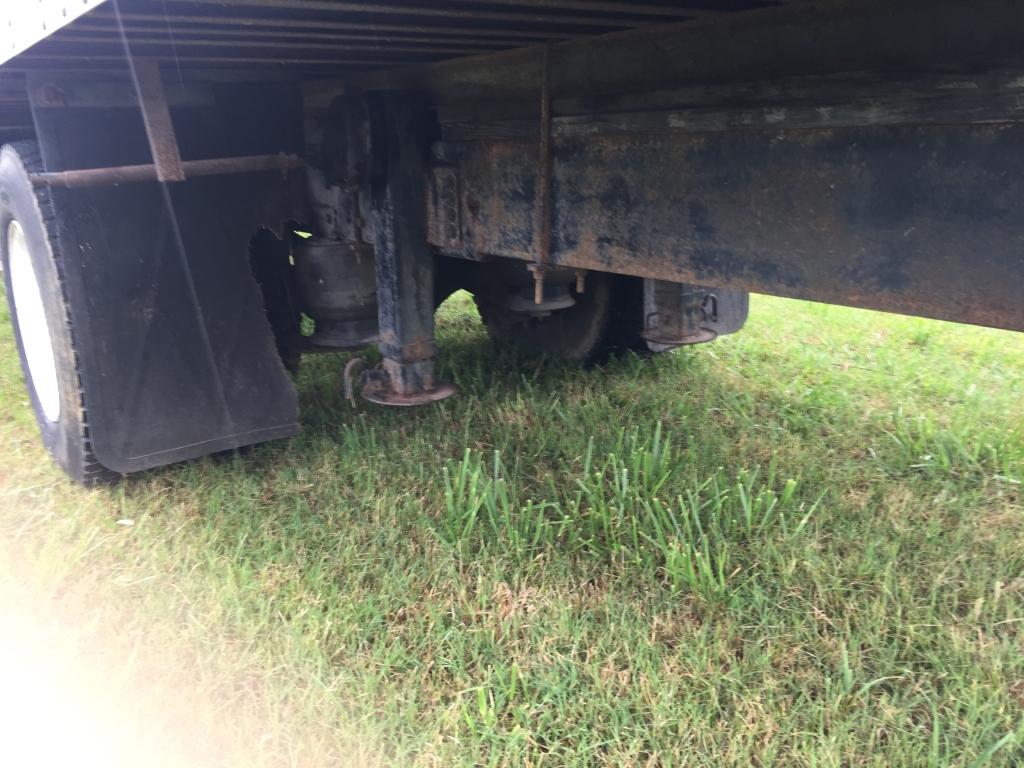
581, 281
543, 209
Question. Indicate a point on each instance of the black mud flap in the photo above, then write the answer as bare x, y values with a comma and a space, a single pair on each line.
177, 357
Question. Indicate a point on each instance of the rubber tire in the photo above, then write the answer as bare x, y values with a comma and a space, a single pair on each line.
67, 438
605, 321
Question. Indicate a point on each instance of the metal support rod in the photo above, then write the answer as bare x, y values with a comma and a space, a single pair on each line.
542, 208
127, 174
156, 115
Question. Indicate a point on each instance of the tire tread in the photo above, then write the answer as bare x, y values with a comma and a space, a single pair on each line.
90, 471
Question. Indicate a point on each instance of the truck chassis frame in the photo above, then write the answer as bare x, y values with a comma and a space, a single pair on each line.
865, 153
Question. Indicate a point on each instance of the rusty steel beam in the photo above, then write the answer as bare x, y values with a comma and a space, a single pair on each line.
680, 10
404, 262
920, 220
67, 61
807, 38
215, 23
301, 45
392, 9
131, 174
832, 103
175, 33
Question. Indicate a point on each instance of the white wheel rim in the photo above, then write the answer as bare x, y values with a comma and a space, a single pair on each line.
32, 326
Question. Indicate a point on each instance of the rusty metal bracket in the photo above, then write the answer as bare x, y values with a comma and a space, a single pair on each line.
167, 165
156, 116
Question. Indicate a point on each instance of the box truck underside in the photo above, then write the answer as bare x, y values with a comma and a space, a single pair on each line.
602, 176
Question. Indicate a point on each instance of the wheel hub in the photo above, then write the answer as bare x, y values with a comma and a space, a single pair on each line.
32, 326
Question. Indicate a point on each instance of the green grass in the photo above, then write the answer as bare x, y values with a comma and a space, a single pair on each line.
802, 545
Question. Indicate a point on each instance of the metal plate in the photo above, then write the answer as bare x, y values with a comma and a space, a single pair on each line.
380, 393
176, 355
703, 336
914, 220
197, 42
25, 22
321, 36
